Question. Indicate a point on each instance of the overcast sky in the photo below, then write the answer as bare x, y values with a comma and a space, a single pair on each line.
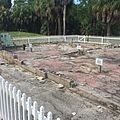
12, 1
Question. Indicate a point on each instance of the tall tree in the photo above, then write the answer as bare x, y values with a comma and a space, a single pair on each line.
44, 9
5, 3
22, 13
58, 13
108, 11
65, 3
62, 6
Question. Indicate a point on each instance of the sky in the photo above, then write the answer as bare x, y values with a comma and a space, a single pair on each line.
12, 1
77, 2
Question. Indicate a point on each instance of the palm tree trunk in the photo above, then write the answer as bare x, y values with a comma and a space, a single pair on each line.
59, 25
48, 28
56, 26
64, 16
108, 29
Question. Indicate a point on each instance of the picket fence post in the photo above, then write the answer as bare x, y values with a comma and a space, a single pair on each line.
7, 100
15, 106
41, 114
4, 99
24, 105
11, 105
19, 104
49, 116
1, 97
35, 109
29, 104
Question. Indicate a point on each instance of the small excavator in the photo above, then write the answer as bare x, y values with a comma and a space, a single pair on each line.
6, 41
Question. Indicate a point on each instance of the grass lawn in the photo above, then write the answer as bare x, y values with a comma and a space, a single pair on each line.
23, 34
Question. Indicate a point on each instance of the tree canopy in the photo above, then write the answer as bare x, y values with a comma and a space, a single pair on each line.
56, 17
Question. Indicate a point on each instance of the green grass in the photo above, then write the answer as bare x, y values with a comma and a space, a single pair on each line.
23, 34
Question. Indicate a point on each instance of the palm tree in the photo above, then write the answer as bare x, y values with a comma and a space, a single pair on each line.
65, 3
5, 3
44, 8
108, 11
22, 14
58, 13
62, 6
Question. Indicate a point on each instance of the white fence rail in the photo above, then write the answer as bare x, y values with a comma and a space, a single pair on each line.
67, 38
15, 106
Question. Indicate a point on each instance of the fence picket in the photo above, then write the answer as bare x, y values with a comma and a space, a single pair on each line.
11, 102
49, 116
19, 104
1, 98
35, 110
41, 114
4, 100
7, 100
24, 105
29, 104
13, 106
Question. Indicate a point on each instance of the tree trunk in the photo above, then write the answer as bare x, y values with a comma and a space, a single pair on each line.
48, 28
56, 26
108, 29
64, 16
59, 25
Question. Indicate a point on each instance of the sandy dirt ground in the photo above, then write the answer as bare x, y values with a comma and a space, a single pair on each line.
62, 102
64, 60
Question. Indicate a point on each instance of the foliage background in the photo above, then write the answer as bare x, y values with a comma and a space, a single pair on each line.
90, 17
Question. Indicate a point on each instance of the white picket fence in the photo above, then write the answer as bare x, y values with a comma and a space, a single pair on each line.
16, 106
67, 39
